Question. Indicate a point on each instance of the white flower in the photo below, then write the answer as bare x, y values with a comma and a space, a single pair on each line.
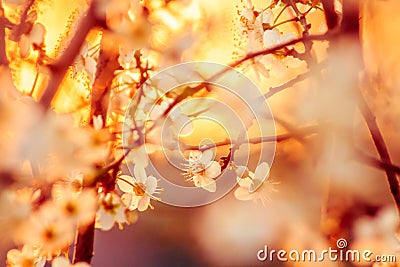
202, 170
111, 210
272, 38
28, 256
139, 190
278, 64
255, 186
61, 261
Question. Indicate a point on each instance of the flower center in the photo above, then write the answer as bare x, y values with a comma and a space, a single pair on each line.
27, 262
70, 208
139, 189
49, 234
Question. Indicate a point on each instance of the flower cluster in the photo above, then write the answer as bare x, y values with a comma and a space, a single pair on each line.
201, 170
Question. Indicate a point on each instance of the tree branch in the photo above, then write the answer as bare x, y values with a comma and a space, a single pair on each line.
106, 67
60, 67
84, 241
191, 90
331, 17
382, 150
305, 131
3, 55
377, 163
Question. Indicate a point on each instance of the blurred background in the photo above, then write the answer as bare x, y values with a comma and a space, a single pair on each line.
230, 232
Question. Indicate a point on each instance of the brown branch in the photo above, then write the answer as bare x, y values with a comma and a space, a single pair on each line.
60, 67
3, 55
319, 37
83, 248
331, 17
106, 67
274, 90
382, 149
18, 31
305, 131
191, 90
377, 163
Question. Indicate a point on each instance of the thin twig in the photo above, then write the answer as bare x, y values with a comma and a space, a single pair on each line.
274, 90
249, 56
305, 131
377, 163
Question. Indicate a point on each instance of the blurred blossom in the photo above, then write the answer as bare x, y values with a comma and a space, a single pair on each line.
111, 210
61, 261
77, 208
28, 256
15, 209
378, 234
47, 229
231, 232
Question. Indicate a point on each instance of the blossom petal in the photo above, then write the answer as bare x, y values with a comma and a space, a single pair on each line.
37, 34
261, 172
208, 184
127, 199
241, 193
270, 38
140, 174
196, 180
143, 203
106, 221
267, 17
135, 202
207, 157
244, 182
90, 65
213, 170
124, 186
194, 155
60, 262
255, 185
151, 185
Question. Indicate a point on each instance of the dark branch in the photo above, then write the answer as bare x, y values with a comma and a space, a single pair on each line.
382, 149
331, 17
3, 55
377, 163
83, 248
60, 67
